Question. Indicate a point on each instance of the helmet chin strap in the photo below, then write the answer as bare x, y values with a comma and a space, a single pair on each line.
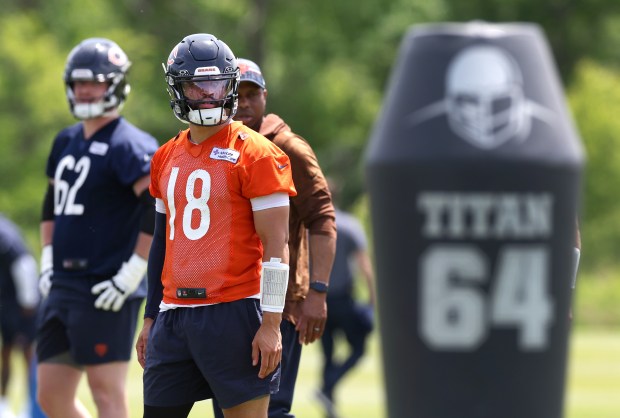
84, 111
101, 108
88, 110
207, 117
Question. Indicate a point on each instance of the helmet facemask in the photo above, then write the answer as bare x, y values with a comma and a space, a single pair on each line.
204, 100
114, 97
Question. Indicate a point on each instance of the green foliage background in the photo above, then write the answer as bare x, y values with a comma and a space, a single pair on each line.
327, 64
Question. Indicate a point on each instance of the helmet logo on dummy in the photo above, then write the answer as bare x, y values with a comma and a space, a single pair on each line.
485, 102
116, 56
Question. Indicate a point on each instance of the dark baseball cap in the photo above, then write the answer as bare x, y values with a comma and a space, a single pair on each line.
251, 72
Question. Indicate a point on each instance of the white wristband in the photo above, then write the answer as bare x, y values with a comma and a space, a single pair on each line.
47, 258
273, 284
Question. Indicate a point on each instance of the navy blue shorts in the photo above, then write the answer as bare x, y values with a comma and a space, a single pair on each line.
90, 335
198, 353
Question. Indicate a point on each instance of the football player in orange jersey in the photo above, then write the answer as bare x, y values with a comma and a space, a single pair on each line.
218, 266
312, 235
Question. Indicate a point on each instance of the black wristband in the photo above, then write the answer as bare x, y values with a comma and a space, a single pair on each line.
47, 212
320, 287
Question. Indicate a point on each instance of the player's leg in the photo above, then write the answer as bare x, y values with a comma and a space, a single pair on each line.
281, 402
221, 335
8, 312
5, 375
27, 351
339, 308
357, 343
239, 409
102, 341
327, 347
24, 341
56, 365
172, 382
34, 407
107, 385
57, 388
256, 408
5, 368
355, 334
325, 393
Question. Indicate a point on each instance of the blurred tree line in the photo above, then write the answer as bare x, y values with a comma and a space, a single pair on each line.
326, 64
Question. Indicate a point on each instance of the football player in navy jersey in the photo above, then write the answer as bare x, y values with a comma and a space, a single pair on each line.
19, 299
96, 231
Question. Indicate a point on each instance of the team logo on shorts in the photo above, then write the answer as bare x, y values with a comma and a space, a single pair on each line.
101, 349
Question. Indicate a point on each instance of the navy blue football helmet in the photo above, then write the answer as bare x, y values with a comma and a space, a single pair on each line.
202, 77
102, 60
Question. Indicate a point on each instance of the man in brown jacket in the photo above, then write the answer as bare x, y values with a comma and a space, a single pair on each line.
312, 235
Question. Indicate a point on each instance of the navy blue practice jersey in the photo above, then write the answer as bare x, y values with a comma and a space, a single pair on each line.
96, 212
12, 247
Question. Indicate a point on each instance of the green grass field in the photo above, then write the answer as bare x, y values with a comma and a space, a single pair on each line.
592, 389
594, 375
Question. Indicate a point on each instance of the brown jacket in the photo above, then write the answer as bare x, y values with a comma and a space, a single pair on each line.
311, 211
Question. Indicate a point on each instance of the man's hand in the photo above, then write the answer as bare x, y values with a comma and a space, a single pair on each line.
267, 344
142, 341
113, 292
47, 269
311, 323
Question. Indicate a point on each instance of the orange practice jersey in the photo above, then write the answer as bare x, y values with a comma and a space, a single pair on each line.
211, 241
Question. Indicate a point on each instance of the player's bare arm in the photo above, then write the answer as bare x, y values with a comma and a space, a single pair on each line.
272, 228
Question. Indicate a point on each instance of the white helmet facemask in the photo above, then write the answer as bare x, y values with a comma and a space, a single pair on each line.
104, 107
208, 117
